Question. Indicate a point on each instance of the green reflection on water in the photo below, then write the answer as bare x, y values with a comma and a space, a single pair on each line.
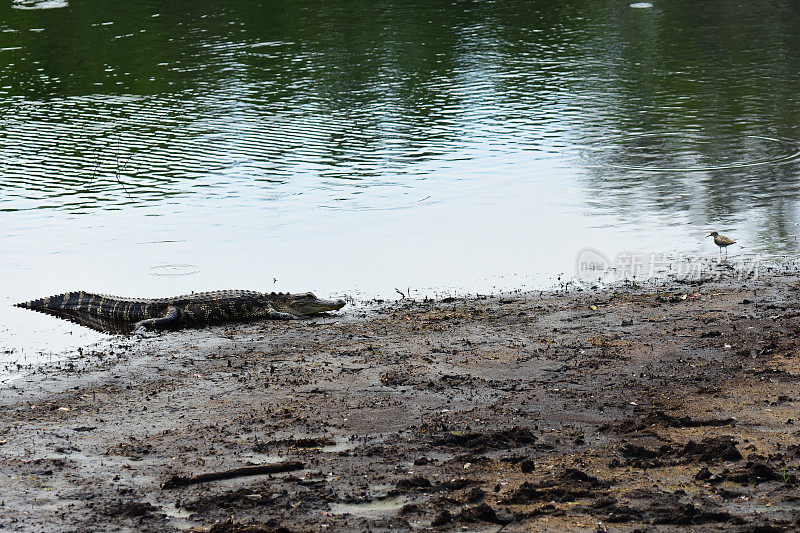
116, 104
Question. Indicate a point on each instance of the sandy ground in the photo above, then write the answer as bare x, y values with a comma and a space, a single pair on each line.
666, 407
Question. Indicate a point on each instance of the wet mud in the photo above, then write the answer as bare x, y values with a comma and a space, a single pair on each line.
666, 407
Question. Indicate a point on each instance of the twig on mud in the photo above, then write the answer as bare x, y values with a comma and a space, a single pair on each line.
271, 468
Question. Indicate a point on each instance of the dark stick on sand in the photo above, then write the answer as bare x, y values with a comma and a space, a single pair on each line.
270, 468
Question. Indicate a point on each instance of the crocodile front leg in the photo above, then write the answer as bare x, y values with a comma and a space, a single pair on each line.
277, 315
163, 322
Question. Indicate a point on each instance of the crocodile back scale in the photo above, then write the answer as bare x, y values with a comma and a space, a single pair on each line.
180, 311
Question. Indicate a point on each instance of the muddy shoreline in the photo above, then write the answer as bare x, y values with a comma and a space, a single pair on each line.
664, 407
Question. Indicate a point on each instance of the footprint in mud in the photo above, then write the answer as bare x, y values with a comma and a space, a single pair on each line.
512, 437
370, 509
567, 486
709, 450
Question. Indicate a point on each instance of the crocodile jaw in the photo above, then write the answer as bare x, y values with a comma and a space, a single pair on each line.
305, 304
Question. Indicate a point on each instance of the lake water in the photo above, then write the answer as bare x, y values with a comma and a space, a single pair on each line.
350, 148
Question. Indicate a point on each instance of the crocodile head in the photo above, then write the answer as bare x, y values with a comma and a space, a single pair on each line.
303, 304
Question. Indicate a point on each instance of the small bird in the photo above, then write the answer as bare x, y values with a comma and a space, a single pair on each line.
721, 240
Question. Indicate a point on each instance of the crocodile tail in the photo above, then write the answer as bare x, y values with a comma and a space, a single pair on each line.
67, 300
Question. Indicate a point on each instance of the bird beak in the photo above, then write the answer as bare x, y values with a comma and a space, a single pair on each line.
709, 235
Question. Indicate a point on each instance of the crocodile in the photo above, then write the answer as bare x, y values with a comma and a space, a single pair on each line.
114, 314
